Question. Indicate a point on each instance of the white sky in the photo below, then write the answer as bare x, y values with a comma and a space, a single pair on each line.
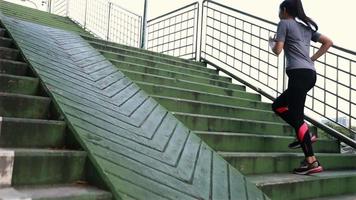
335, 18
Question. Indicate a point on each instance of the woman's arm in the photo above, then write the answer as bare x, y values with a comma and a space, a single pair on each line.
326, 44
276, 46
277, 43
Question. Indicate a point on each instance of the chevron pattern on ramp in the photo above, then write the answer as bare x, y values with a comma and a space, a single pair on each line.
140, 149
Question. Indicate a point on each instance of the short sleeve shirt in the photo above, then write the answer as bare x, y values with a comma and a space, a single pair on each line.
296, 37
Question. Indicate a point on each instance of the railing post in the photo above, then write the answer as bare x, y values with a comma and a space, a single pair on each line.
197, 33
284, 74
201, 30
67, 8
85, 13
144, 26
107, 36
140, 30
49, 5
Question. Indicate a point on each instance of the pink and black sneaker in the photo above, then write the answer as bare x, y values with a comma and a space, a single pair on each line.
296, 143
308, 168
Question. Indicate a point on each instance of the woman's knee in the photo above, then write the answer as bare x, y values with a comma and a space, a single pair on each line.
274, 106
279, 109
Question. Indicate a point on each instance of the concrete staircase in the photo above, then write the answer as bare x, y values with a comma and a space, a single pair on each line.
235, 123
39, 158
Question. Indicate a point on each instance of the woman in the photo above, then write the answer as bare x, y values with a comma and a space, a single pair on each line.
294, 33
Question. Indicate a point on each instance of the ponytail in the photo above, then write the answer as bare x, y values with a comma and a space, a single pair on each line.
295, 9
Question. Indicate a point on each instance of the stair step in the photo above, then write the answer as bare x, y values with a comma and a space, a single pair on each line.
202, 108
24, 106
185, 77
9, 53
45, 166
247, 142
117, 48
153, 57
26, 133
224, 124
174, 68
5, 42
197, 95
37, 158
267, 163
56, 192
151, 63
205, 78
13, 67
109, 45
160, 80
341, 197
18, 84
290, 186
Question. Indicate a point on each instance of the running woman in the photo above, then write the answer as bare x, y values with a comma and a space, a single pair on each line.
294, 33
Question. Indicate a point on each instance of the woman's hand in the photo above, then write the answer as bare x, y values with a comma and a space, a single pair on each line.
276, 46
271, 42
326, 44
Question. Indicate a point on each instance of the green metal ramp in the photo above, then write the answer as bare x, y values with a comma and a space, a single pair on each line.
140, 149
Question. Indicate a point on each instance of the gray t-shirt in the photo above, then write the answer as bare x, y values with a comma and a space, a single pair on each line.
296, 37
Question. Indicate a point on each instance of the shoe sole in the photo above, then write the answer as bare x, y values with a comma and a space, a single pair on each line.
311, 171
313, 140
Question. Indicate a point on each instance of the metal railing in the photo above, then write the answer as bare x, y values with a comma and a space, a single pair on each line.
59, 7
103, 19
334, 95
237, 43
175, 33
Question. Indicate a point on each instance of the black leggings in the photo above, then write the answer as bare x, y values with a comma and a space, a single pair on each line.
290, 105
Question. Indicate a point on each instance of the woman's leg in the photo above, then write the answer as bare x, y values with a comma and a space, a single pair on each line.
300, 82
296, 112
280, 107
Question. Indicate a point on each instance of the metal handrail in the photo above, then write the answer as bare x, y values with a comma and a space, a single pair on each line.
214, 10
179, 9
271, 62
345, 50
175, 33
126, 10
270, 22
240, 11
103, 19
327, 129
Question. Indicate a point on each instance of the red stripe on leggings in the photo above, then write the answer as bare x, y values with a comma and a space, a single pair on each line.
282, 110
301, 132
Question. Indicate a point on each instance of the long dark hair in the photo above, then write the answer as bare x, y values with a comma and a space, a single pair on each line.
295, 9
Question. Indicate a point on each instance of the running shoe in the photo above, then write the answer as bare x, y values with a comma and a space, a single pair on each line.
306, 168
296, 143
